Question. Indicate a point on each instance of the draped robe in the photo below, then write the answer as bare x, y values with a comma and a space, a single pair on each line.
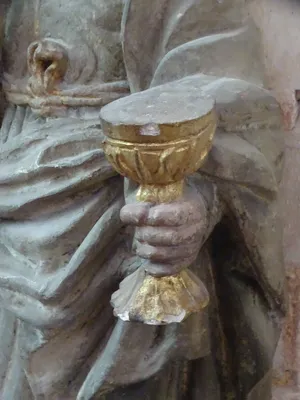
63, 248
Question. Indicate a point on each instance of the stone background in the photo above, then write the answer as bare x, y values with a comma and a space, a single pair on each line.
287, 361
279, 22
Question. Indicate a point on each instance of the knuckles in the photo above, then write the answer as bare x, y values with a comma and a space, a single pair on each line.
168, 236
166, 254
175, 214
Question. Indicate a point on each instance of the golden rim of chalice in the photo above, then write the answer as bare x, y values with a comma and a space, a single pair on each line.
157, 138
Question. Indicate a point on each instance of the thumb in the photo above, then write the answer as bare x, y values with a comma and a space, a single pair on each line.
135, 213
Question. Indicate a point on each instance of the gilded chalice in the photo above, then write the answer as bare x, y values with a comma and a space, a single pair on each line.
157, 138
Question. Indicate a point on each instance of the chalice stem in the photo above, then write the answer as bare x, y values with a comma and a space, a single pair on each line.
160, 193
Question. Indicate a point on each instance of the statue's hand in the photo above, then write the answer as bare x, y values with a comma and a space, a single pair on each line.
168, 236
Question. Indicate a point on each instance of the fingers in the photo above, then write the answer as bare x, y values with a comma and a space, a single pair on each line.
174, 214
135, 213
167, 269
162, 254
167, 236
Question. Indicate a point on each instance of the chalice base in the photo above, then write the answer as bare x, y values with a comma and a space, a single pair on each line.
159, 301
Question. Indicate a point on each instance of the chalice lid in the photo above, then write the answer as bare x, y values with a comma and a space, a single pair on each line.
160, 114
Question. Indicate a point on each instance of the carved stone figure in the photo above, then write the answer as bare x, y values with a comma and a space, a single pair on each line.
71, 230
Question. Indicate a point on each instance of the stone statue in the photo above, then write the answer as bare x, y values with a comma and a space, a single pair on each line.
64, 248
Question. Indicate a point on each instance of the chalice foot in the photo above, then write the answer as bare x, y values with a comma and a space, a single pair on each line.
159, 301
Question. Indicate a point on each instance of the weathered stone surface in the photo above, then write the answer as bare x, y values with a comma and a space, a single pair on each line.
281, 44
288, 393
63, 247
287, 360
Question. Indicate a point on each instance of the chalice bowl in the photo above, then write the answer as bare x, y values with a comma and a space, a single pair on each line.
157, 138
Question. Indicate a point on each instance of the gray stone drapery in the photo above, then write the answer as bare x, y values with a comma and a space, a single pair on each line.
63, 249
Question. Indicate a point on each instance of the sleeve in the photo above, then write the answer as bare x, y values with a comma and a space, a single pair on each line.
242, 174
3, 6
188, 37
246, 165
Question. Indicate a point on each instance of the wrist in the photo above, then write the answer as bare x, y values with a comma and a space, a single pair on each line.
212, 204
